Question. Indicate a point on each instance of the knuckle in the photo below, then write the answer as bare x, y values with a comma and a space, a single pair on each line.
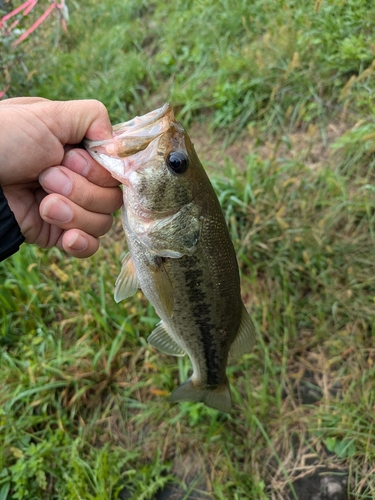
98, 225
88, 199
98, 106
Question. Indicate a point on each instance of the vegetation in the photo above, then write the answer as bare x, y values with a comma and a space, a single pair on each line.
279, 100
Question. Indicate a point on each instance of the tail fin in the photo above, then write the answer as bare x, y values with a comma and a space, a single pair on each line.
218, 398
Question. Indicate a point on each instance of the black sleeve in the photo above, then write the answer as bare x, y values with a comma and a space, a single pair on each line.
10, 233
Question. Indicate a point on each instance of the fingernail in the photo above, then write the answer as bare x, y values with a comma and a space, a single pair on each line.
78, 242
76, 162
55, 209
56, 181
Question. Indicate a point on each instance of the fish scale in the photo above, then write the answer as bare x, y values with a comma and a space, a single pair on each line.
180, 251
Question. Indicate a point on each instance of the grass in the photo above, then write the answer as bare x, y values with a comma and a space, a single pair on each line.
83, 411
282, 66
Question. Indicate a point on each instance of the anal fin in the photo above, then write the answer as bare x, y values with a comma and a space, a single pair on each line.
245, 338
162, 340
127, 281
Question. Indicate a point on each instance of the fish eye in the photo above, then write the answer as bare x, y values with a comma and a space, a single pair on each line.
177, 162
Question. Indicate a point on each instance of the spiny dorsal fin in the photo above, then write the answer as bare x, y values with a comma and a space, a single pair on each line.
245, 338
127, 281
161, 339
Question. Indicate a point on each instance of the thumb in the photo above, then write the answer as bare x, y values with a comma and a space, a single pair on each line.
71, 121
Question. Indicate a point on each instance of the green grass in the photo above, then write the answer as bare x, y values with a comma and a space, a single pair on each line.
279, 65
83, 410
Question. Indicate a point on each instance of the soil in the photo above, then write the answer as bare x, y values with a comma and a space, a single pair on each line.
325, 484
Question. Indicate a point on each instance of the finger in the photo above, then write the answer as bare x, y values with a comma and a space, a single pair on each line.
61, 212
21, 100
61, 180
79, 244
79, 161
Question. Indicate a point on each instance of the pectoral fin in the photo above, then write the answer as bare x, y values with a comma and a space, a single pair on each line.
161, 339
175, 235
127, 281
163, 285
245, 338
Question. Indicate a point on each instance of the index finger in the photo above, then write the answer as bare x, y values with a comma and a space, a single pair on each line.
21, 100
77, 119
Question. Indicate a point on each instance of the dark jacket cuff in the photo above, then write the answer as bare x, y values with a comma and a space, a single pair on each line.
10, 233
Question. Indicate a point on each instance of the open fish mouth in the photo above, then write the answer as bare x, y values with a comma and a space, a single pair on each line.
134, 135
119, 154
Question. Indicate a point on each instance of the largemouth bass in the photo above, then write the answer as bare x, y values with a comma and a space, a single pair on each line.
180, 251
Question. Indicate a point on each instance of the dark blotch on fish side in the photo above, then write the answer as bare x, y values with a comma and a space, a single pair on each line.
201, 315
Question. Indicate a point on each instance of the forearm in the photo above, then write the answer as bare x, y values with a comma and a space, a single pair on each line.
10, 233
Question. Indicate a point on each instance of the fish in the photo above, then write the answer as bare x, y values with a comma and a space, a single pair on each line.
180, 252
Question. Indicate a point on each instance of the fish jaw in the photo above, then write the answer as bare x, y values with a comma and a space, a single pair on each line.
130, 144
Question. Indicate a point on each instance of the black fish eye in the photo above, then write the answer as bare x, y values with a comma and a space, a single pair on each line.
177, 162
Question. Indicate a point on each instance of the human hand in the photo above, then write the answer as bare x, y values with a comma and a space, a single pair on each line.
59, 197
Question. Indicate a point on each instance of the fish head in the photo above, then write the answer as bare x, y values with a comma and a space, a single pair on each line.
153, 157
